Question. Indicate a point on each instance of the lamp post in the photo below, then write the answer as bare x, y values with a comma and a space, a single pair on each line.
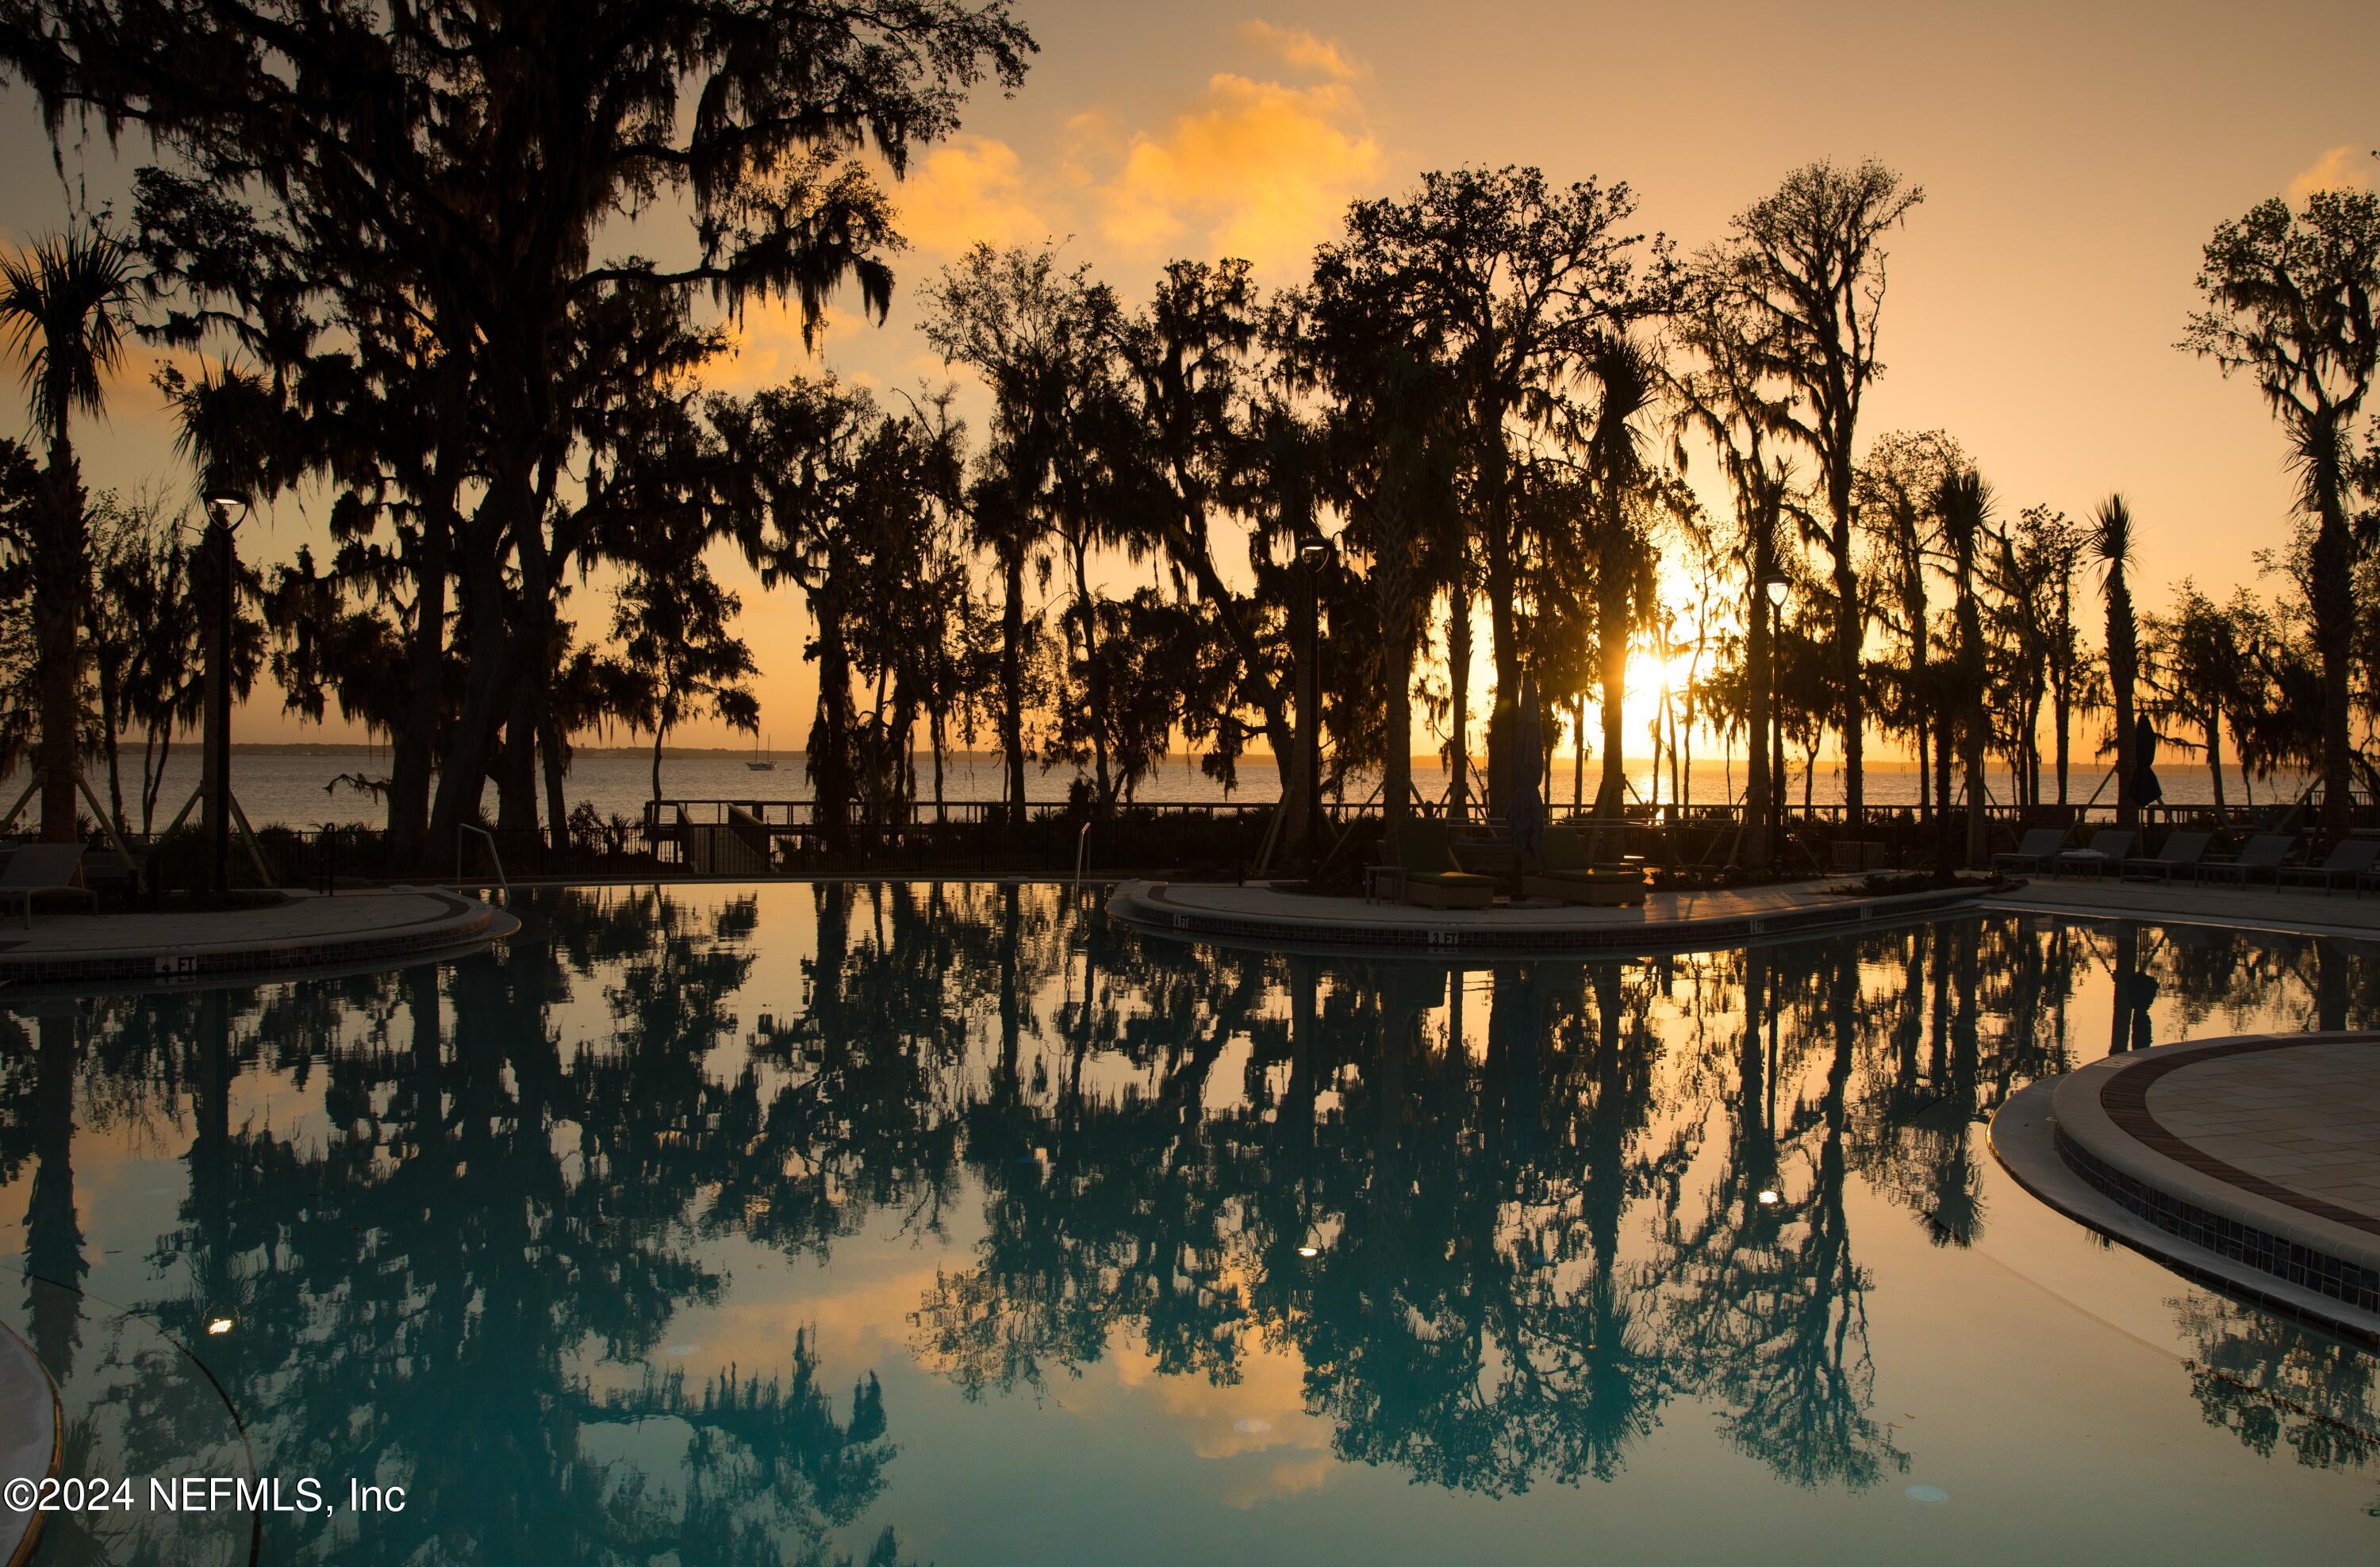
1312, 553
225, 510
1774, 587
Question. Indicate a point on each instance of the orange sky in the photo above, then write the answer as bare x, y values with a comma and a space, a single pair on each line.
2074, 157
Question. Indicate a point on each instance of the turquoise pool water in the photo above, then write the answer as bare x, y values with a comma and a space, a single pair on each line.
901, 1223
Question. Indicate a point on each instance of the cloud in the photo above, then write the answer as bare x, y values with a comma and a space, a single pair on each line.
766, 348
2343, 168
1296, 46
1258, 169
969, 188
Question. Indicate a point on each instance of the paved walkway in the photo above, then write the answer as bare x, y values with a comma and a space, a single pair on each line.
29, 1439
305, 931
2252, 1163
1671, 920
2249, 909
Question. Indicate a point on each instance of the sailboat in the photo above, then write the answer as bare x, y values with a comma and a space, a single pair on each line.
760, 763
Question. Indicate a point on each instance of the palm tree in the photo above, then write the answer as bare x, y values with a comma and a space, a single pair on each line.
2111, 546
1624, 373
62, 307
1964, 503
2198, 664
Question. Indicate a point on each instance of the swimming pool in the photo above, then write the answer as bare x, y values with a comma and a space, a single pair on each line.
953, 1222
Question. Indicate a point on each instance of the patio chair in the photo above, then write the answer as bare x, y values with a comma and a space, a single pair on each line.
2181, 851
45, 868
2264, 854
2109, 847
1567, 875
1433, 880
2037, 844
2349, 860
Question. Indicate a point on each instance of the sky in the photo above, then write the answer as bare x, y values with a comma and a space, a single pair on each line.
2074, 159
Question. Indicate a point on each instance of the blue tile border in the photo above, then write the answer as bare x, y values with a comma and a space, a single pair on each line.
2242, 1243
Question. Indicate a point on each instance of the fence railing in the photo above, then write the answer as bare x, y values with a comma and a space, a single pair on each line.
1220, 837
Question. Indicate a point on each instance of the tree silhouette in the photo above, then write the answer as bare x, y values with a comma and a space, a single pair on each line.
62, 307
1809, 261
2291, 300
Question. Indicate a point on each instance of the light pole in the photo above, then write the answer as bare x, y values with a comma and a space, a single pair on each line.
225, 510
1312, 553
1774, 587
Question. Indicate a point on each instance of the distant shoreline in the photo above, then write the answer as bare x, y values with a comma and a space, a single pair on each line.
1427, 762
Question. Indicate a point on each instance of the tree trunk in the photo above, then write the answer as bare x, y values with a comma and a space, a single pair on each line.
1777, 781
1392, 587
1850, 629
2122, 667
556, 760
495, 659
517, 763
413, 746
110, 714
61, 566
1946, 841
2215, 766
1611, 667
1503, 625
1094, 684
1458, 666
1578, 754
1924, 773
1760, 661
1012, 681
2333, 631
830, 742
1972, 723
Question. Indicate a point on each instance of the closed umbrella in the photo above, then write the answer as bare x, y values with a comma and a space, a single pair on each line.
2146, 790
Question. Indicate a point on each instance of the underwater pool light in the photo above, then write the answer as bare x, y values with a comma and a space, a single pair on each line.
218, 1326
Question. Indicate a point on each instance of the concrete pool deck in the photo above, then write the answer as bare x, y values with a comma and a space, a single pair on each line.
29, 1440
2287, 911
304, 932
1665, 921
2250, 1163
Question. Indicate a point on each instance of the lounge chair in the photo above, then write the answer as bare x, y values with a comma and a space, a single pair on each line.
2263, 852
1568, 875
2037, 844
2181, 851
2351, 860
2109, 847
1432, 878
45, 868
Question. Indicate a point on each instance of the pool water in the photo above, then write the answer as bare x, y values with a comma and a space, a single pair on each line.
889, 1223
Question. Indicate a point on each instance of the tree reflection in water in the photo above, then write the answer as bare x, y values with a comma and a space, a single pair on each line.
1544, 1201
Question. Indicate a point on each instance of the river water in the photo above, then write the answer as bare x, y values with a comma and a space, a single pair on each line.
304, 790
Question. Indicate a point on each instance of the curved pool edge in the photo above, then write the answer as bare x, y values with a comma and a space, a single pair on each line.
2024, 1137
35, 1427
1300, 923
172, 952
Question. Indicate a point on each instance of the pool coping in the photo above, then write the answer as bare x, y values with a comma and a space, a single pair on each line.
456, 926
27, 1394
2063, 1141
1147, 906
